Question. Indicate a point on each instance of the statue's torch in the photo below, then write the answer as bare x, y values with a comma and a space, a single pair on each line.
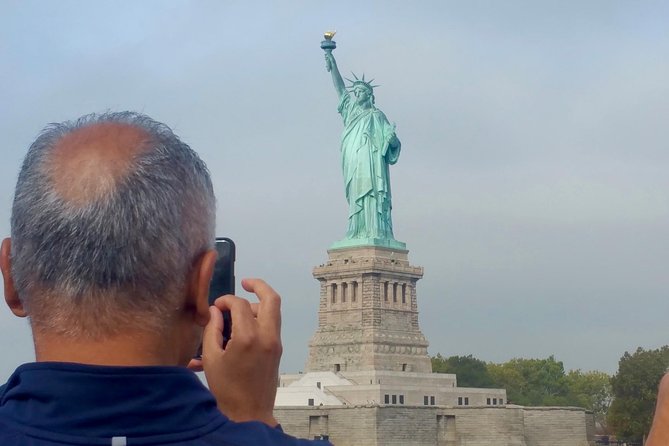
328, 45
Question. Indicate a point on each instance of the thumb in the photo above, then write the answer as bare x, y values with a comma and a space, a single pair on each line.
212, 338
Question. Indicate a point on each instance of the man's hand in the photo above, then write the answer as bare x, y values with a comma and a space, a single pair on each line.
244, 376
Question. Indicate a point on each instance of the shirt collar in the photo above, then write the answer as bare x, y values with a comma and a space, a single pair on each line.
107, 400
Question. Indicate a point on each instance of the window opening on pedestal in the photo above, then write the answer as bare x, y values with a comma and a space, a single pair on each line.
311, 402
401, 399
334, 293
337, 367
404, 367
394, 399
432, 402
395, 292
425, 400
344, 288
354, 291
386, 398
385, 291
318, 384
404, 293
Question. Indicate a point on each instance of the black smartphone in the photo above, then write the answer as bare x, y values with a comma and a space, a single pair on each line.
223, 282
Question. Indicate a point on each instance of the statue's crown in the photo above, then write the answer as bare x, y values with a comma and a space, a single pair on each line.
361, 83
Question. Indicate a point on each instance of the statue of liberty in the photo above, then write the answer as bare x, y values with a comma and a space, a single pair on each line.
369, 146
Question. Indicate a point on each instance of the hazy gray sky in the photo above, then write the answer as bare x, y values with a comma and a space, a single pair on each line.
533, 183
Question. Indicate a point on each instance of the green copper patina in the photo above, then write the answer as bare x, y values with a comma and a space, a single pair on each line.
369, 146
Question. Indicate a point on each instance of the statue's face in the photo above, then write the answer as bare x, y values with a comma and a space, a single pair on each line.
362, 95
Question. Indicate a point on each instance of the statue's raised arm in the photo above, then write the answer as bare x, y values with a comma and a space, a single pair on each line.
369, 146
331, 64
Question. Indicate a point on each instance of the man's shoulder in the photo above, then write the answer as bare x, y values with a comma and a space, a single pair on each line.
229, 434
216, 429
9, 435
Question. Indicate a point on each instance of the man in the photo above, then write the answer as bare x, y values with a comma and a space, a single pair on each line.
110, 258
368, 146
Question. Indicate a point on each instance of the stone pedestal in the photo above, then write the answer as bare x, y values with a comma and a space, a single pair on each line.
368, 314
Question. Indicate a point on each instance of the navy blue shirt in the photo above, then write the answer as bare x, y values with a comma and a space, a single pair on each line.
51, 403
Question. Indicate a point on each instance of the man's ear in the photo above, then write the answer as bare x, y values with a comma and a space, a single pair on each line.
198, 294
11, 296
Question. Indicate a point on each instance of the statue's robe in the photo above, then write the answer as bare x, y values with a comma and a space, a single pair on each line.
366, 153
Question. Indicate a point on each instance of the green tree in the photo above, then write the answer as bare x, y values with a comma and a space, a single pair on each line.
471, 372
532, 382
635, 392
592, 391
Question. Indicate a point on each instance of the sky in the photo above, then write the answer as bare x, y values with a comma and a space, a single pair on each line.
533, 183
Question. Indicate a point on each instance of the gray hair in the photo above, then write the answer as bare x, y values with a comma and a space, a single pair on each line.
121, 258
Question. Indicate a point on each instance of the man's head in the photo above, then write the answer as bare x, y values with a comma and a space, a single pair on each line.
110, 216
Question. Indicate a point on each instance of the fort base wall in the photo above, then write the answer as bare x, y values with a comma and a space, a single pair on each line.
441, 426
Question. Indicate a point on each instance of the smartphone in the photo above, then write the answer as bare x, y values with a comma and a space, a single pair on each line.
223, 282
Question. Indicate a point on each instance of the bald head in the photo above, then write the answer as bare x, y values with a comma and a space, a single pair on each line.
88, 162
109, 212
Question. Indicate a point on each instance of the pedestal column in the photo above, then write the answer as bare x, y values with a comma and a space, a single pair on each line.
368, 313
